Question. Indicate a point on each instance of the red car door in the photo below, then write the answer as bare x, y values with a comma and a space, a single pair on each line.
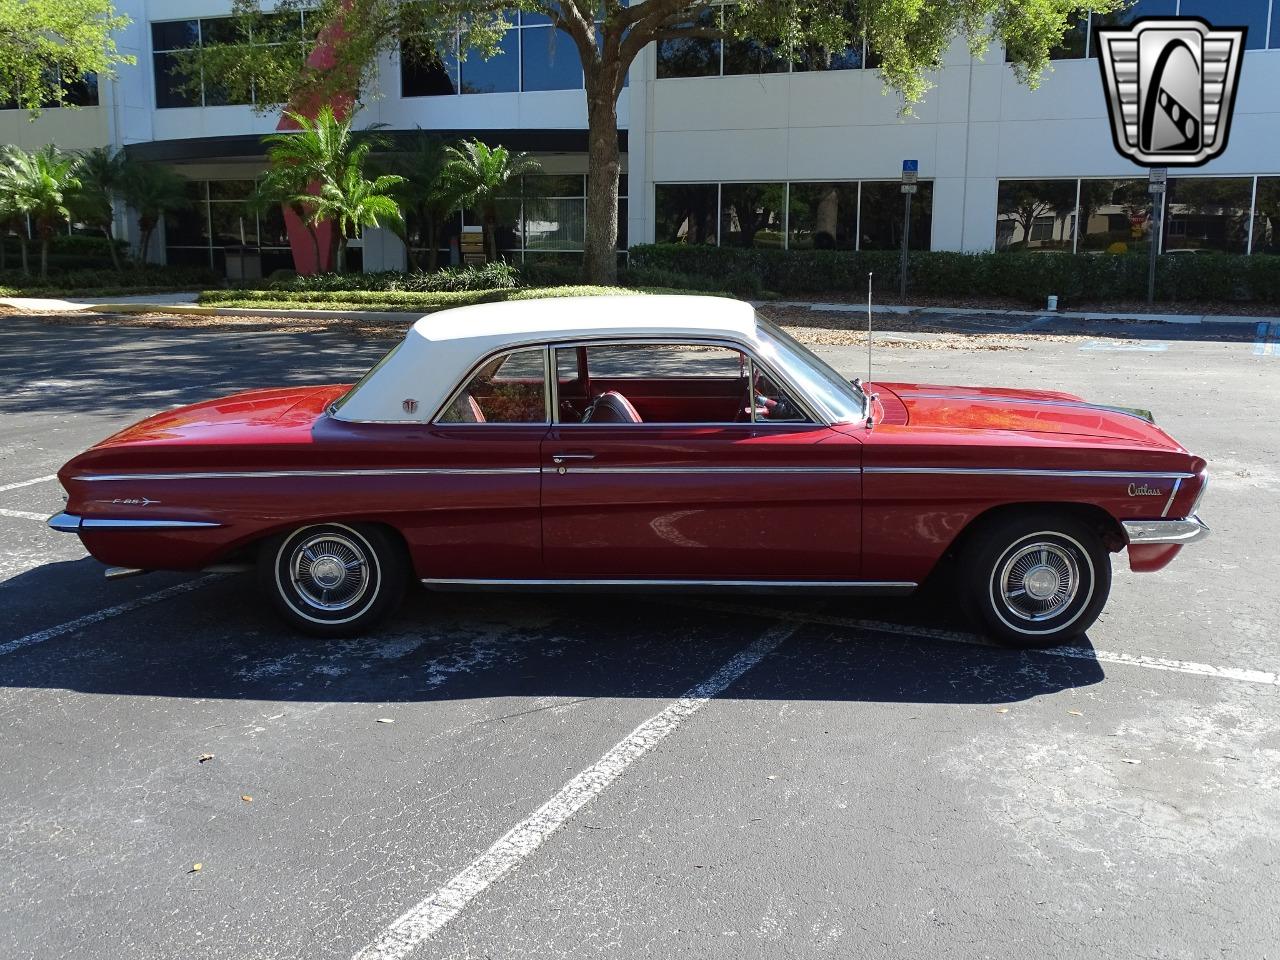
699, 501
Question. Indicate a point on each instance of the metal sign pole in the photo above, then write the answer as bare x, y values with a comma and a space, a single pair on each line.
1156, 186
906, 231
910, 179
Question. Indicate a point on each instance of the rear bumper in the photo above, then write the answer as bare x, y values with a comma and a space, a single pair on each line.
1145, 532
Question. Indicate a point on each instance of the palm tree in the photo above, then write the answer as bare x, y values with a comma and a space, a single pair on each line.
353, 201
40, 185
100, 170
485, 179
425, 193
320, 150
12, 218
152, 191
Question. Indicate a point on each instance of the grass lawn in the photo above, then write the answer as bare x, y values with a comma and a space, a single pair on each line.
398, 300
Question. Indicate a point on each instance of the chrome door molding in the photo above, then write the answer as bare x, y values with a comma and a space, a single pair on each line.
869, 587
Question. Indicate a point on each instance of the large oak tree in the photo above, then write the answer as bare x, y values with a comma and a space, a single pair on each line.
909, 36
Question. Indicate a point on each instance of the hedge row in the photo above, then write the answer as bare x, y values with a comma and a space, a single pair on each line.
1029, 277
106, 282
490, 276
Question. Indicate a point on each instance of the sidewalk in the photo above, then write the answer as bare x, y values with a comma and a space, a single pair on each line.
185, 303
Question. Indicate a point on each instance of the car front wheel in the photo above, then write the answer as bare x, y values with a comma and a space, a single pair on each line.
1036, 581
333, 579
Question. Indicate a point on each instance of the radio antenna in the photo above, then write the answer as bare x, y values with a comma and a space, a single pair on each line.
869, 276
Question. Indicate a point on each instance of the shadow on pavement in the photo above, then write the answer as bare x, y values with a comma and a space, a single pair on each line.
221, 641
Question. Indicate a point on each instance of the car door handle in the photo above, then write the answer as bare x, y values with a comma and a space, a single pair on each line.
562, 457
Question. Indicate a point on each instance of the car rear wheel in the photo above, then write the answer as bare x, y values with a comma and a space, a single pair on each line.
1035, 580
333, 579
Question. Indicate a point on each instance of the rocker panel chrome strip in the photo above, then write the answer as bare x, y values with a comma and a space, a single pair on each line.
849, 586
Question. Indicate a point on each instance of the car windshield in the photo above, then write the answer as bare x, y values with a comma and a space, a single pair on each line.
839, 399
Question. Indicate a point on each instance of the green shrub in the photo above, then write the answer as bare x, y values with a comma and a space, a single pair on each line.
490, 276
1028, 277
549, 273
109, 282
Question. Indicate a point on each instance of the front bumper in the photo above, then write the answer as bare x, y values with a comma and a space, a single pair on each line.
1144, 532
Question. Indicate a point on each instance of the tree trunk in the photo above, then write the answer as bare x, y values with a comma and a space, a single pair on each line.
491, 235
433, 244
22, 248
146, 227
4, 250
600, 260
342, 252
44, 254
111, 247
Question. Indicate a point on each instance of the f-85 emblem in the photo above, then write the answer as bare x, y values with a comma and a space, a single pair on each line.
130, 501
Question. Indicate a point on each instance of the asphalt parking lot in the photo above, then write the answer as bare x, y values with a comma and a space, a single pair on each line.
570, 777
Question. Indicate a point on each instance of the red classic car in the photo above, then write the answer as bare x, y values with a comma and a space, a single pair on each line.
652, 443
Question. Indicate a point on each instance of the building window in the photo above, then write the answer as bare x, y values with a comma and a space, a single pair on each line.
1035, 215
218, 218
751, 214
1266, 216
533, 56
705, 57
823, 216
1237, 13
1208, 213
686, 212
845, 215
691, 56
75, 93
880, 216
549, 60
170, 37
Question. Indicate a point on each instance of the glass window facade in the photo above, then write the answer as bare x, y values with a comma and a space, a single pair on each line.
545, 219
705, 57
823, 216
170, 37
1036, 215
82, 92
217, 219
751, 214
1080, 40
845, 215
1217, 214
533, 56
1208, 213
686, 213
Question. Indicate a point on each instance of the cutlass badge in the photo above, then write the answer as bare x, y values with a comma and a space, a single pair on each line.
1142, 490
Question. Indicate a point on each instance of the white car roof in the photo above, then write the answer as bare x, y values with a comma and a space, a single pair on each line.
442, 347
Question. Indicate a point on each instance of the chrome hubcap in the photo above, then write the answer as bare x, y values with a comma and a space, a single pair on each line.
1039, 581
329, 572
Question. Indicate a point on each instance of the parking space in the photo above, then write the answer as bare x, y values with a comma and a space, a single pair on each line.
519, 776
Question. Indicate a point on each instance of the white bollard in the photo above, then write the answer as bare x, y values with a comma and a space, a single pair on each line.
1053, 303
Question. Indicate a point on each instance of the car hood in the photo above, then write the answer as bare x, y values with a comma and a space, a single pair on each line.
1023, 411
281, 415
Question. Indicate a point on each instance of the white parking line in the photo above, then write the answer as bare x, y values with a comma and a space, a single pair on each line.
89, 619
23, 514
427, 917
27, 483
1240, 674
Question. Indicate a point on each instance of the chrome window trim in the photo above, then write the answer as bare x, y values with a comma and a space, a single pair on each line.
738, 347
1015, 472
1173, 495
434, 420
280, 474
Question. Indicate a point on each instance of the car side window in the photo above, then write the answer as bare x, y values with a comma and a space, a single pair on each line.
661, 383
510, 388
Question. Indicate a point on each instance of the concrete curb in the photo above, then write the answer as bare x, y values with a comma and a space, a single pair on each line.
38, 305
892, 309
